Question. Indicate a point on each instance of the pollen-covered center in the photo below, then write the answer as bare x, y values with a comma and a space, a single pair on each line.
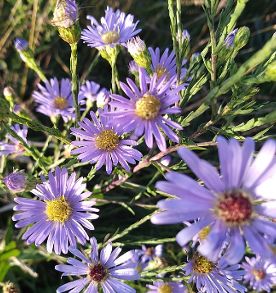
58, 209
107, 140
98, 273
203, 233
110, 37
60, 103
20, 148
234, 207
161, 70
259, 274
202, 265
148, 107
166, 288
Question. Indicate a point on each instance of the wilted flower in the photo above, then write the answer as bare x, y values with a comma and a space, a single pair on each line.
115, 28
103, 144
15, 147
227, 203
60, 214
106, 271
210, 277
144, 111
56, 100
18, 181
260, 273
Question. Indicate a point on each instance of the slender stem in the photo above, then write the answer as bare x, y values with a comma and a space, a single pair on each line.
178, 48
75, 85
113, 73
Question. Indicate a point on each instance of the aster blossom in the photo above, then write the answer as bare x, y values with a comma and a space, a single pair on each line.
115, 28
143, 111
260, 273
19, 181
103, 144
60, 215
234, 205
166, 287
56, 100
15, 146
89, 91
105, 271
210, 277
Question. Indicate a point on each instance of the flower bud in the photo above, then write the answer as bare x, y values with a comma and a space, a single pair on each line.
21, 44
139, 52
166, 160
18, 181
241, 38
229, 40
133, 68
66, 20
270, 72
103, 98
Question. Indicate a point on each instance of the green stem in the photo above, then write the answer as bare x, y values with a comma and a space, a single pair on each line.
75, 85
113, 77
178, 49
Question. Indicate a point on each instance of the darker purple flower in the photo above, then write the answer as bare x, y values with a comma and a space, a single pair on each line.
21, 44
235, 205
102, 144
260, 273
60, 214
229, 40
144, 109
106, 271
115, 28
15, 147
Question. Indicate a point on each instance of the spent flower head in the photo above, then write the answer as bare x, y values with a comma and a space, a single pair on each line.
145, 108
60, 214
65, 14
115, 28
102, 144
105, 271
19, 181
235, 204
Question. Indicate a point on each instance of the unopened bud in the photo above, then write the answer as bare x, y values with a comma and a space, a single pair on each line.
229, 40
242, 37
103, 98
18, 181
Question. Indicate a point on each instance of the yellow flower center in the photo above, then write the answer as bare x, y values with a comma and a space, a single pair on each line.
107, 140
166, 288
60, 103
161, 70
202, 265
148, 107
259, 274
110, 37
58, 209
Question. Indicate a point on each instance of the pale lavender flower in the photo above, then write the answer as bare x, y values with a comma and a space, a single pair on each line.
15, 147
260, 273
133, 67
115, 28
229, 40
144, 110
56, 100
103, 98
166, 287
210, 277
21, 44
18, 181
227, 202
166, 64
136, 46
106, 271
60, 215
136, 258
102, 144
89, 91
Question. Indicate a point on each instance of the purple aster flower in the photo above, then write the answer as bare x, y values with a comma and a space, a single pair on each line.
89, 91
21, 44
166, 64
210, 277
56, 100
115, 28
144, 110
260, 273
18, 181
15, 147
102, 144
150, 253
136, 258
227, 202
229, 40
60, 215
65, 14
166, 287
106, 271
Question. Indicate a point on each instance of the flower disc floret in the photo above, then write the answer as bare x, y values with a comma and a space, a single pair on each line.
110, 37
107, 140
148, 107
202, 265
60, 103
58, 209
98, 273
